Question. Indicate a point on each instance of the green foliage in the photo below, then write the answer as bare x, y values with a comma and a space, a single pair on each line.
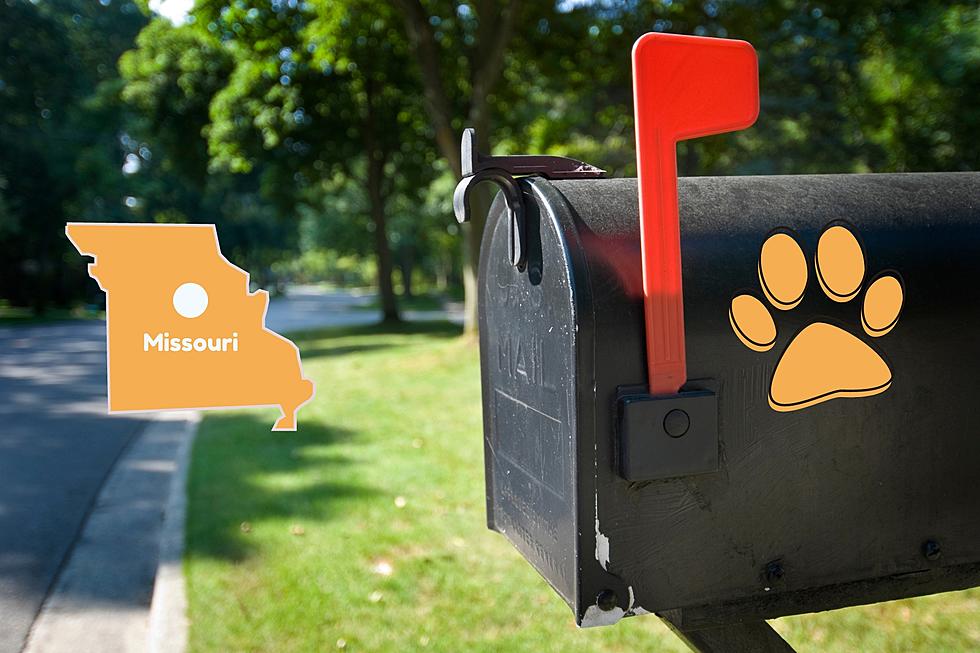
923, 80
324, 265
319, 89
874, 86
58, 122
171, 78
309, 121
315, 86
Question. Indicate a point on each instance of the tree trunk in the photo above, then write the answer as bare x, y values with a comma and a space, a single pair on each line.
493, 35
442, 276
406, 263
377, 156
426, 51
382, 248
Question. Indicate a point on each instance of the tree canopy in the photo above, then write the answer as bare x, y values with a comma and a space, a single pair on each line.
322, 135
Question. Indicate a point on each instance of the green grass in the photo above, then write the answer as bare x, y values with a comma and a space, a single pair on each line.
423, 302
291, 535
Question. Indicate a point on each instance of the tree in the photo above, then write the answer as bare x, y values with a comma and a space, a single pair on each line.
921, 72
250, 115
442, 38
171, 78
317, 88
58, 128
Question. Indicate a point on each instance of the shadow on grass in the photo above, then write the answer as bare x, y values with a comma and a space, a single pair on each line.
314, 344
244, 476
309, 352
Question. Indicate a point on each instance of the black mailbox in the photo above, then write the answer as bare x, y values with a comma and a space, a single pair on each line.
783, 486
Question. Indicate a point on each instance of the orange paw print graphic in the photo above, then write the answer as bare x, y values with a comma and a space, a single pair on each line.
822, 361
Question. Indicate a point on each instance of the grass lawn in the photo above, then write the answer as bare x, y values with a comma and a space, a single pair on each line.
365, 530
423, 302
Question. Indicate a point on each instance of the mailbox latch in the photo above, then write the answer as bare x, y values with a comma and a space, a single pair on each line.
667, 436
502, 170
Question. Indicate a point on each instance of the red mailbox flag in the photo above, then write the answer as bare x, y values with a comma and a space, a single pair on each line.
683, 87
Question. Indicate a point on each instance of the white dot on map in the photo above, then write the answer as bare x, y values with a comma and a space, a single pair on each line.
190, 300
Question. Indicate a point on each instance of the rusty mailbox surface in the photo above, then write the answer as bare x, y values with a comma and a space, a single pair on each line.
795, 479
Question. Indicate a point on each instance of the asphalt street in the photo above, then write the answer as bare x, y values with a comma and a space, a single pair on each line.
58, 444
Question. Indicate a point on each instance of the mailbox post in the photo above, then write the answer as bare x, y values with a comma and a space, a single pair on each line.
822, 448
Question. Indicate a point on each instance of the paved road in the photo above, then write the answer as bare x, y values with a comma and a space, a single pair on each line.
56, 447
308, 307
57, 444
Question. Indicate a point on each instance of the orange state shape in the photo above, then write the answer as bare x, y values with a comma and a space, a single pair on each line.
140, 266
824, 362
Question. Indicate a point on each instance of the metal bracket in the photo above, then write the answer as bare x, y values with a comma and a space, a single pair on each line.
752, 636
502, 170
667, 436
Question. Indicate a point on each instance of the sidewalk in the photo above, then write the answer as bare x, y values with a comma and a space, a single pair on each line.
102, 599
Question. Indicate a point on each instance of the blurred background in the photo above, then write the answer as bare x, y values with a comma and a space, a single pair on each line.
322, 136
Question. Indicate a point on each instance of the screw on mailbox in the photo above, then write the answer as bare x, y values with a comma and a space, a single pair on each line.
606, 600
774, 571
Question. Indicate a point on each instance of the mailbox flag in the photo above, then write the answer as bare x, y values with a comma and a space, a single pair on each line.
683, 87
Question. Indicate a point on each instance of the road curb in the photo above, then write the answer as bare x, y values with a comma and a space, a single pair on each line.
168, 624
127, 557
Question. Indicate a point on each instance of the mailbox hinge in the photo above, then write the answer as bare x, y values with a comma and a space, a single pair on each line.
502, 170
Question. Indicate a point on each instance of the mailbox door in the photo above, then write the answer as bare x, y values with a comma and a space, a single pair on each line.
529, 353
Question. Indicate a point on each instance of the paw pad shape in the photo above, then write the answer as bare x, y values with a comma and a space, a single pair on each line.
822, 361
